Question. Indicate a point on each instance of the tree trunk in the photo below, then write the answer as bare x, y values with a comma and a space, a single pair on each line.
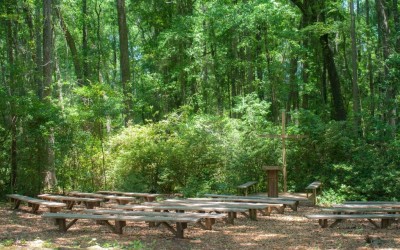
72, 47
384, 33
13, 117
369, 62
50, 180
85, 47
356, 97
124, 60
339, 112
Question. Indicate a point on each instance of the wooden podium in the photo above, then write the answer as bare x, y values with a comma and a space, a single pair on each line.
272, 180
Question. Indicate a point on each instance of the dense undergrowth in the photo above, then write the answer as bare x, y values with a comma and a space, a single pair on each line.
195, 154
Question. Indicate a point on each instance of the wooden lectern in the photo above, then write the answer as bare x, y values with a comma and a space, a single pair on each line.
272, 180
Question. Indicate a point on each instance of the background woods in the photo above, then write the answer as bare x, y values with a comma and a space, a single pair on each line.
173, 96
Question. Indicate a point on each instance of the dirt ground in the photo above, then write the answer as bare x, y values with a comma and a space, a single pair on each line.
20, 229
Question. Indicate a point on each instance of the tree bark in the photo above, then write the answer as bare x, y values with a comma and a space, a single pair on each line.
13, 117
50, 179
356, 97
124, 60
72, 47
85, 47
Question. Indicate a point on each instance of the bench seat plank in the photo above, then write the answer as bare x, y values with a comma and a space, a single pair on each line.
71, 201
209, 218
293, 204
323, 218
35, 203
120, 221
147, 196
231, 211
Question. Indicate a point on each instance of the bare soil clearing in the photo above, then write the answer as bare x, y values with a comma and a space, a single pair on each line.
22, 230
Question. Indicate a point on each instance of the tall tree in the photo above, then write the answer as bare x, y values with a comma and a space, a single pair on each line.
124, 60
48, 158
356, 97
313, 11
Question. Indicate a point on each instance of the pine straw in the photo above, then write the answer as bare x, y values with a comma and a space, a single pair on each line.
291, 230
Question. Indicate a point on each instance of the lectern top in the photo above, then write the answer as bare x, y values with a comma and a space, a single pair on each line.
272, 168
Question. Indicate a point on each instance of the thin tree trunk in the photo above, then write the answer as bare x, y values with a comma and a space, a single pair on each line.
85, 47
13, 117
369, 62
71, 45
356, 97
339, 112
124, 60
50, 179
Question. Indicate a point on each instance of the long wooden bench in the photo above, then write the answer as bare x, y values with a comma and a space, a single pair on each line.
34, 203
251, 207
313, 188
323, 218
368, 205
120, 221
292, 203
208, 218
206, 201
146, 196
121, 200
71, 201
246, 187
230, 211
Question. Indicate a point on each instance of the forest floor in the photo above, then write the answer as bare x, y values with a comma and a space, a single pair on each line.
20, 229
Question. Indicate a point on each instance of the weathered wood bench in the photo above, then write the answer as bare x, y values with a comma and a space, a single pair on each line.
146, 196
121, 200
369, 205
247, 187
230, 211
292, 203
251, 207
34, 203
120, 221
208, 218
313, 188
207, 201
71, 201
375, 203
323, 218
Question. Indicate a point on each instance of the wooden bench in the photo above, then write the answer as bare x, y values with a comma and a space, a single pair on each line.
71, 201
247, 187
34, 203
292, 203
369, 205
323, 218
205, 201
120, 221
312, 188
209, 218
230, 211
146, 196
251, 207
121, 200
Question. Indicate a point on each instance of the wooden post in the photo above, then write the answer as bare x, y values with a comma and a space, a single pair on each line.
272, 180
284, 151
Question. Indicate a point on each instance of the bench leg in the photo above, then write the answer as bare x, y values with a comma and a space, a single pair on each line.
253, 214
70, 204
323, 223
180, 226
35, 208
231, 217
89, 205
62, 224
119, 225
